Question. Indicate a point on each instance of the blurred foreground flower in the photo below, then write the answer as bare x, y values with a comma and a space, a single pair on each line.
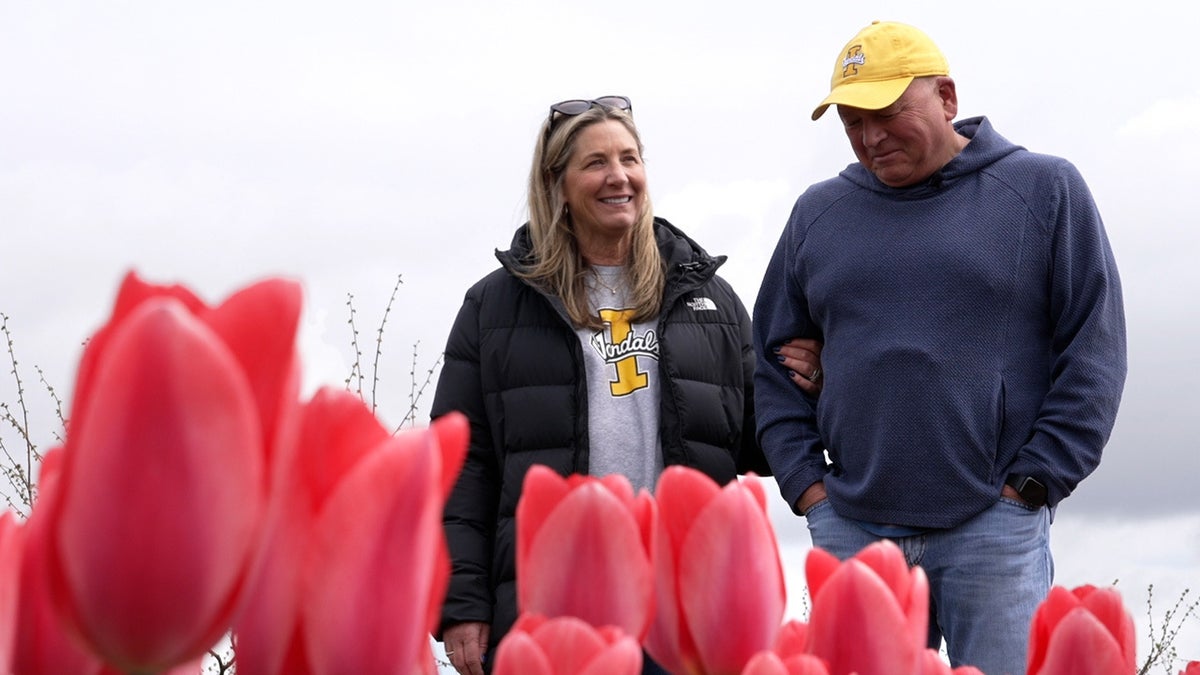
787, 656
42, 645
934, 665
870, 613
566, 645
720, 584
590, 529
1084, 631
155, 522
11, 548
358, 560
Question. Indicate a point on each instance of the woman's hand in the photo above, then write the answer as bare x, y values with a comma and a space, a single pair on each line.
465, 644
802, 358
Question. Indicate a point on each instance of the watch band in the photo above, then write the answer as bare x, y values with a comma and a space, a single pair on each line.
1031, 489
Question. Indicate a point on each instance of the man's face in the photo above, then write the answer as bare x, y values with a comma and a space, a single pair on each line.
904, 143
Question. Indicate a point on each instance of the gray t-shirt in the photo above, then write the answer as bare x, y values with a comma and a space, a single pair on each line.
623, 385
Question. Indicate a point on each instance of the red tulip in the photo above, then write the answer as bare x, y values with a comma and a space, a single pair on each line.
1193, 668
721, 592
11, 551
42, 644
787, 656
358, 560
934, 665
587, 528
1084, 630
870, 613
176, 412
566, 645
792, 639
771, 663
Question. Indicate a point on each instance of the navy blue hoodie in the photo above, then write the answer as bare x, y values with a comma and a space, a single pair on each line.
973, 327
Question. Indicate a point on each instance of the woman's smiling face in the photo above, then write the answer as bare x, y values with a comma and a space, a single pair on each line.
605, 182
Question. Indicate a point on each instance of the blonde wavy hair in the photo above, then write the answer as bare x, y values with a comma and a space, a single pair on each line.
556, 263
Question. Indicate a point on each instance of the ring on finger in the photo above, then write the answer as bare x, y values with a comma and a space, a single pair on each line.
815, 374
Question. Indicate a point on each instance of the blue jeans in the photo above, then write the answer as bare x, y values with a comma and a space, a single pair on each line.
986, 578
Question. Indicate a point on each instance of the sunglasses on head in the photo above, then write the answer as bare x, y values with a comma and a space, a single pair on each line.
578, 106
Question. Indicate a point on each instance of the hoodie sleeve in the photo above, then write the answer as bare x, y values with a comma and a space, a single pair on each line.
1088, 348
786, 416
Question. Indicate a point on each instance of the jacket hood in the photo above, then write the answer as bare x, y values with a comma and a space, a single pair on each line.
986, 147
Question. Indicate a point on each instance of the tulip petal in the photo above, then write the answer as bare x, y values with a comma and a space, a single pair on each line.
11, 552
258, 323
133, 292
590, 534
170, 428
519, 654
805, 664
730, 541
541, 492
887, 560
1106, 605
375, 546
791, 639
453, 432
819, 565
1082, 645
622, 656
1057, 604
765, 663
932, 663
42, 643
569, 643
856, 625
680, 494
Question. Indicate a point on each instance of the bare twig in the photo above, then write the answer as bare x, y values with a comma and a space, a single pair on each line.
1162, 639
415, 393
356, 372
379, 342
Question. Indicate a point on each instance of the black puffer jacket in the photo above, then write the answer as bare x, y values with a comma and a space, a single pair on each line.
514, 366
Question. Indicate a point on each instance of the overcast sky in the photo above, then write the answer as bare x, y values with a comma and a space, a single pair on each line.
351, 144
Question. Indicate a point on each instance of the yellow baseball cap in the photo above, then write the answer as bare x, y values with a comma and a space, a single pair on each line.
878, 64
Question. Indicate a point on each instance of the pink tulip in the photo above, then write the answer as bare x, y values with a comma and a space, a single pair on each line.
176, 413
42, 644
11, 550
870, 613
587, 528
792, 639
721, 592
787, 656
934, 665
1084, 630
566, 645
358, 561
771, 663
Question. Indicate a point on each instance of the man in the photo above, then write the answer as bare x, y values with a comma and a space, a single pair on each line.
974, 346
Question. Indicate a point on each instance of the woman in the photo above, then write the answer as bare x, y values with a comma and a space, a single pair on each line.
605, 343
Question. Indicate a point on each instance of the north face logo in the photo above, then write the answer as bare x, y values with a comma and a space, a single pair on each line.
701, 304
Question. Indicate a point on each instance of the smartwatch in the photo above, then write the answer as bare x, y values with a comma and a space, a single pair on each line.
1031, 489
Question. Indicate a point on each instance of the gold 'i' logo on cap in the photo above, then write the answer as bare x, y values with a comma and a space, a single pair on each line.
854, 59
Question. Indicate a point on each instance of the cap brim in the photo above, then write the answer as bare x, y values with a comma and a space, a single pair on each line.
868, 95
